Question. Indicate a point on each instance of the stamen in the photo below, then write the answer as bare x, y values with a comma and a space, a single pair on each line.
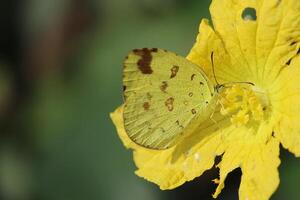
242, 104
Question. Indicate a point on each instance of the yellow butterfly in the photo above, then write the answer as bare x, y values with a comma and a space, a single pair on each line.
166, 96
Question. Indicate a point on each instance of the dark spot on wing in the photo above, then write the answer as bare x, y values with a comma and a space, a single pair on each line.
249, 14
292, 43
174, 71
169, 103
190, 94
146, 106
163, 86
193, 111
206, 102
211, 94
298, 51
145, 60
177, 122
192, 77
162, 130
124, 88
201, 83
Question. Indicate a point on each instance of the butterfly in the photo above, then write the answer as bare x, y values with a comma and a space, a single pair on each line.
165, 96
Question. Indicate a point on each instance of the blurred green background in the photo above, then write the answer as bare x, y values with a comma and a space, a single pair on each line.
60, 77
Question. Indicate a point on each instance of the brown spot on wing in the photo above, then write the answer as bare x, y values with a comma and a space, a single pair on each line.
163, 86
201, 83
169, 103
145, 60
174, 71
192, 77
193, 111
146, 106
162, 130
190, 94
124, 88
177, 122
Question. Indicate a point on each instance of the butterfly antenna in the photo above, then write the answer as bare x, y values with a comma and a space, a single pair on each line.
218, 86
213, 67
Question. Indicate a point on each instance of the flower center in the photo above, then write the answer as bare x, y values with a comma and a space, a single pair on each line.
243, 104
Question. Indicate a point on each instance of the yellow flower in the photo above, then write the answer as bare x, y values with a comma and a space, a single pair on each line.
253, 41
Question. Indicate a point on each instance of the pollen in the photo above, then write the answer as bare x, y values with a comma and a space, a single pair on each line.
243, 104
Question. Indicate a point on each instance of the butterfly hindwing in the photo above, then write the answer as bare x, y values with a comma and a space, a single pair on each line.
163, 94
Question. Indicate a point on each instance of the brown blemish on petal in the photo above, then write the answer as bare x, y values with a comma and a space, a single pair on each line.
174, 71
190, 94
169, 103
145, 60
193, 111
146, 106
289, 61
163, 86
192, 77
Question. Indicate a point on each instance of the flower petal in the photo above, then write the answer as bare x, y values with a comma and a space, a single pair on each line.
207, 42
260, 45
256, 155
285, 100
237, 34
172, 167
260, 174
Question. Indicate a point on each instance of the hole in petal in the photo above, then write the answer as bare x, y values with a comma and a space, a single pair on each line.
249, 14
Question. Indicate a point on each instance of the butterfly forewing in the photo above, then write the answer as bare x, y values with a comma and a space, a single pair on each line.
164, 93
